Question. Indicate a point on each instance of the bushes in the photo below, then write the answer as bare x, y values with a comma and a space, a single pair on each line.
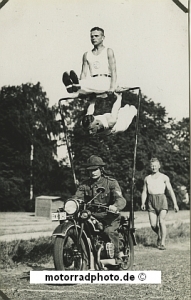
20, 251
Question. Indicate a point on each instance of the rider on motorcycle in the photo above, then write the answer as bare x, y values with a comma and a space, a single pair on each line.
111, 197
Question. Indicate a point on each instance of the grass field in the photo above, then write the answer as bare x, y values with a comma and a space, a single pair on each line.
20, 225
19, 257
40, 250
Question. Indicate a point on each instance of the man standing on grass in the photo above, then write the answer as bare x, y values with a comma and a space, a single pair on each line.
154, 188
183, 197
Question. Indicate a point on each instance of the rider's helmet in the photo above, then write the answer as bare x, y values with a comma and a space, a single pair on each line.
94, 162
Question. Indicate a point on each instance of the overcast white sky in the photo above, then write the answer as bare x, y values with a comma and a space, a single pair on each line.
40, 39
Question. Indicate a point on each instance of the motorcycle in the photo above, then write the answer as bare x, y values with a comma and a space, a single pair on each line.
80, 242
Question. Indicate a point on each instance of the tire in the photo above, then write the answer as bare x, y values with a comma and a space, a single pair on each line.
66, 255
128, 251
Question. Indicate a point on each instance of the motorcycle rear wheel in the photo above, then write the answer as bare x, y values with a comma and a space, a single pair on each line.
66, 255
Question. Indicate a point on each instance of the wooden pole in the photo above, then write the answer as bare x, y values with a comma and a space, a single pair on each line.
31, 169
68, 144
134, 160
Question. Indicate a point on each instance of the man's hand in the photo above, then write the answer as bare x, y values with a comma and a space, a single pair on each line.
176, 208
111, 90
143, 207
113, 208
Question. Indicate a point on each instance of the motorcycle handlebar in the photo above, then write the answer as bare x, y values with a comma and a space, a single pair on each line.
106, 208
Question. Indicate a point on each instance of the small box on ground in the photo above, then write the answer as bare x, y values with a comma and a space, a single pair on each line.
45, 205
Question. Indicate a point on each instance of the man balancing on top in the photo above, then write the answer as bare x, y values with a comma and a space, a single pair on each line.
102, 66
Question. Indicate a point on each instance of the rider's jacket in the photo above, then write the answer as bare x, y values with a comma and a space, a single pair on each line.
111, 196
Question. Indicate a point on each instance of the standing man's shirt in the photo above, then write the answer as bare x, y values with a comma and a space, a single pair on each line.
156, 185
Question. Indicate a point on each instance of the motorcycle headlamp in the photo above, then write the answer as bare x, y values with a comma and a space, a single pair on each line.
71, 206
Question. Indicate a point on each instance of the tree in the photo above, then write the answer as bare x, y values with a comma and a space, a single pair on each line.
25, 120
179, 139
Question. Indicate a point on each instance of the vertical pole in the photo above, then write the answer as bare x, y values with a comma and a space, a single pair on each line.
68, 144
134, 160
31, 169
189, 61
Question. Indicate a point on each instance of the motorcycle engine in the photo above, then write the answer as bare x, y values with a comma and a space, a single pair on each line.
107, 251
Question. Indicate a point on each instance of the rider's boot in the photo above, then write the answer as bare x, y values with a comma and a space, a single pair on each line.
119, 258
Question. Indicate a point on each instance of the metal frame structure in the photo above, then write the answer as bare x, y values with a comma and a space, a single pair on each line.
134, 158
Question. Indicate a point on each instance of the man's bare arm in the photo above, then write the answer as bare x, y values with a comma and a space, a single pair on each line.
112, 64
144, 195
84, 66
171, 192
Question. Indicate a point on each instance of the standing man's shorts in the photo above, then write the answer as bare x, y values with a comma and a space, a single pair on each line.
156, 203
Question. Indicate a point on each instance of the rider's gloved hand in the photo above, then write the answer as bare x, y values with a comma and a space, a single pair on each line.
111, 89
110, 92
113, 208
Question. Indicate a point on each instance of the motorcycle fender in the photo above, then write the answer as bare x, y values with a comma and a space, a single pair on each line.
62, 228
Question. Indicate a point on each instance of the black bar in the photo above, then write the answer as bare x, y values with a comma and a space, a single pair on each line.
181, 6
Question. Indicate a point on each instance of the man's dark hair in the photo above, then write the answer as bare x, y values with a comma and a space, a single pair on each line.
87, 120
154, 159
98, 29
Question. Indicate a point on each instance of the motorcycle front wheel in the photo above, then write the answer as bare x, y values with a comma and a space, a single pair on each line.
67, 255
128, 259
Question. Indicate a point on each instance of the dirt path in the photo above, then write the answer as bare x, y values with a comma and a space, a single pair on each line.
26, 226
174, 264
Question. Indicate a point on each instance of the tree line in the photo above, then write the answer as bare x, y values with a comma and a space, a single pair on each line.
27, 119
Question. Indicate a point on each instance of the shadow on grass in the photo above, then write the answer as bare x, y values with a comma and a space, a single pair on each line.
176, 233
34, 250
34, 267
26, 275
21, 251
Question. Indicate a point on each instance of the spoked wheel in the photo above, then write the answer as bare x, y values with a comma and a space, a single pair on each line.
128, 250
67, 256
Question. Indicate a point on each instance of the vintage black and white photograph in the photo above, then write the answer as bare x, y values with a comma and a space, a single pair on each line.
95, 149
